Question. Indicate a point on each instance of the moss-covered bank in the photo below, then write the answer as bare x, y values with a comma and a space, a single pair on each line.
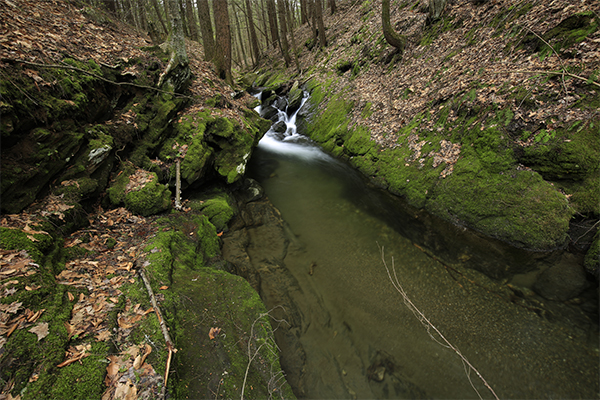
469, 169
219, 324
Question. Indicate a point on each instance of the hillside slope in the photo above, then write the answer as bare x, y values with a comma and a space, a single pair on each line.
479, 121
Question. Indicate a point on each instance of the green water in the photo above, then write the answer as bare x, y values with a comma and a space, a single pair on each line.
360, 340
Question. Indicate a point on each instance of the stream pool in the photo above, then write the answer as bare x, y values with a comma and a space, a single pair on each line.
358, 337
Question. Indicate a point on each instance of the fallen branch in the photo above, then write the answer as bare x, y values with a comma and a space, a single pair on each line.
428, 325
70, 67
163, 328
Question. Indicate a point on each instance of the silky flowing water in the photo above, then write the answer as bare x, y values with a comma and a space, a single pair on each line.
359, 338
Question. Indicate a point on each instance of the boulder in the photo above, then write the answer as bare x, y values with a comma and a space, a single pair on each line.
562, 281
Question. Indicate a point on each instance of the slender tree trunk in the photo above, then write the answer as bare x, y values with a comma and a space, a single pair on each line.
263, 7
141, 10
222, 57
294, 48
389, 33
320, 24
184, 21
436, 8
303, 12
253, 38
332, 6
273, 22
241, 50
208, 38
177, 73
283, 38
158, 11
191, 18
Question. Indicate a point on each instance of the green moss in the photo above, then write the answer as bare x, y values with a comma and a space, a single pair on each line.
84, 380
516, 206
15, 239
151, 199
592, 257
116, 191
217, 207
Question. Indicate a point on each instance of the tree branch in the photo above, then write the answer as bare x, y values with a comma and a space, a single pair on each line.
56, 66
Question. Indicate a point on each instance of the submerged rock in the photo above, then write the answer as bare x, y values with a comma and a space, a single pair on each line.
562, 281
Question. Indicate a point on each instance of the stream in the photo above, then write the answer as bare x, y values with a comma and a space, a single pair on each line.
348, 331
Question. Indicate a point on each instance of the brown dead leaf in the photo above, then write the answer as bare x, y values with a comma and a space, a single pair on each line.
70, 296
163, 288
213, 333
103, 336
12, 307
41, 330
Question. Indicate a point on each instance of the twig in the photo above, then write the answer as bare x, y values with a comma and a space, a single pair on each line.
557, 55
428, 325
251, 356
588, 231
163, 328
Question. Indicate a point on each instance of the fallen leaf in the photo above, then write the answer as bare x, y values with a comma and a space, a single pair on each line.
213, 333
41, 330
70, 296
103, 336
163, 288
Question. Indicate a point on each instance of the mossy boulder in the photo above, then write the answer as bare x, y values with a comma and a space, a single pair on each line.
140, 192
212, 145
592, 257
472, 179
217, 205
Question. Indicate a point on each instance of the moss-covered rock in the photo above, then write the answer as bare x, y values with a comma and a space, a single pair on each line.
140, 191
150, 199
217, 205
217, 320
592, 257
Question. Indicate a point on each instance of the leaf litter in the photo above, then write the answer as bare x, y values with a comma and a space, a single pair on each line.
95, 281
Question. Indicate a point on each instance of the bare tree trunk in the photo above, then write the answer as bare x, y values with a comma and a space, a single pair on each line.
294, 48
303, 12
208, 38
264, 21
389, 33
273, 22
191, 18
222, 59
159, 16
253, 38
283, 27
241, 50
142, 15
320, 24
436, 8
332, 6
177, 73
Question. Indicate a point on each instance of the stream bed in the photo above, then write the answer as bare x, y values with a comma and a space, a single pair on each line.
319, 261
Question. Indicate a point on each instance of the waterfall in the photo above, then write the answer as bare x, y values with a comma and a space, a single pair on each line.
283, 136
